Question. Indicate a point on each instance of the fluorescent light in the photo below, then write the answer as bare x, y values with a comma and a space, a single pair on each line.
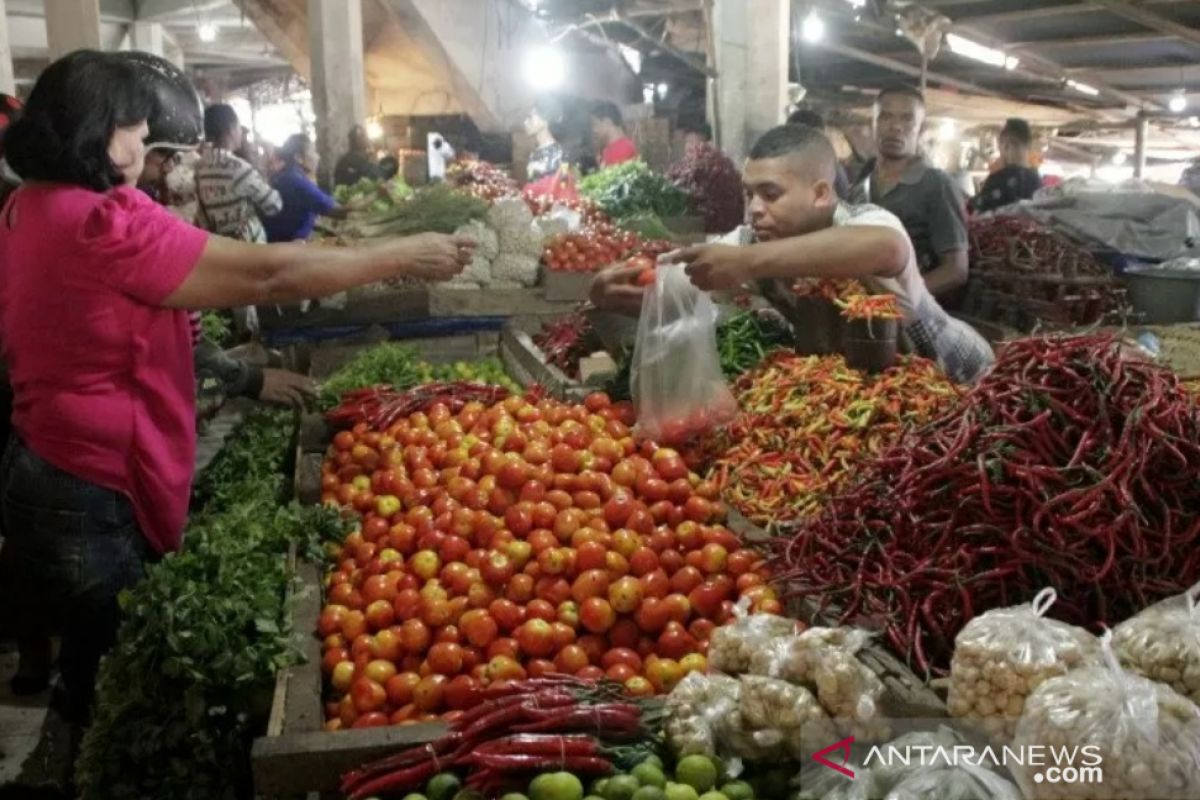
632, 56
969, 48
545, 68
1119, 158
857, 3
812, 30
207, 32
1011, 62
1194, 122
648, 93
662, 90
1083, 88
1177, 103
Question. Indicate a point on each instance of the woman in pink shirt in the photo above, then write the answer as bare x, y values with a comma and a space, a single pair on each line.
96, 280
608, 130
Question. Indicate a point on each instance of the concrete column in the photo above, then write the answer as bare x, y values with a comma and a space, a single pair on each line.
147, 37
72, 25
338, 77
751, 39
8, 83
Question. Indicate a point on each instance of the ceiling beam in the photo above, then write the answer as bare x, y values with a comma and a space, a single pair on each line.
906, 69
1151, 20
1095, 41
1029, 13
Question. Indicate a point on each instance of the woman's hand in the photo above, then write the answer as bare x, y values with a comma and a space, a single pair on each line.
433, 256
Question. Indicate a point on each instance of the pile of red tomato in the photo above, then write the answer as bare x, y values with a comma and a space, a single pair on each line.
516, 540
597, 246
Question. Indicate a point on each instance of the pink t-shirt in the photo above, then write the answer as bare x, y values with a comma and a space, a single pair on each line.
101, 373
618, 152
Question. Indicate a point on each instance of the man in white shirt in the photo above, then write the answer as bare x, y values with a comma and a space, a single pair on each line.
798, 229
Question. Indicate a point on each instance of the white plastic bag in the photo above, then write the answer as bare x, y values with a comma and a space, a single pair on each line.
1002, 656
676, 379
1143, 736
1163, 643
733, 648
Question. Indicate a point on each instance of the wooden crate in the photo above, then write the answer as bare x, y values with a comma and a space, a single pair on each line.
526, 364
561, 286
296, 757
906, 695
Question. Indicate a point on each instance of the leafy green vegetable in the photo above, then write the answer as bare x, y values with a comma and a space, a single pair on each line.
382, 194
646, 224
188, 683
437, 209
388, 363
215, 328
632, 188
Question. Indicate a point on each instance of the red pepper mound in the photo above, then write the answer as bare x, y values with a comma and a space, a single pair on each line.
1069, 465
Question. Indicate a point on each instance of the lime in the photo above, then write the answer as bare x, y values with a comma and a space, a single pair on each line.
471, 794
621, 787
655, 760
713, 796
598, 786
556, 786
680, 791
514, 796
443, 787
649, 793
697, 771
738, 790
593, 797
415, 796
648, 774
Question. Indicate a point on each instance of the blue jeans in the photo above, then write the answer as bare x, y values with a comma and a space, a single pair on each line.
70, 547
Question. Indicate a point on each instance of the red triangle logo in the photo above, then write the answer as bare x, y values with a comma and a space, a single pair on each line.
842, 747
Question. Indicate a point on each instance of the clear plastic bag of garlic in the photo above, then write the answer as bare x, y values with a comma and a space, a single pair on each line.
698, 710
963, 782
794, 657
1142, 736
783, 720
1002, 656
1163, 643
732, 647
852, 694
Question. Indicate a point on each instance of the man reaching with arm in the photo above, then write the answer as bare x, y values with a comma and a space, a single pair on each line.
798, 229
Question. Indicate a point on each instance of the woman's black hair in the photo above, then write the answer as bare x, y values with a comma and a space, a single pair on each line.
76, 106
294, 148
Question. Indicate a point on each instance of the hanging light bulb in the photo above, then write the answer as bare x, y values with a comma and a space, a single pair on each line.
207, 32
812, 30
1178, 102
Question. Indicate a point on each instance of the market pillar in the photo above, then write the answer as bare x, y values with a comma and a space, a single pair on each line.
8, 82
750, 40
338, 85
72, 25
147, 37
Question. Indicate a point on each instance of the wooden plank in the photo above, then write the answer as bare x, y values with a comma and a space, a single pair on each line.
527, 365
279, 697
302, 709
314, 433
307, 482
561, 286
297, 763
376, 304
445, 302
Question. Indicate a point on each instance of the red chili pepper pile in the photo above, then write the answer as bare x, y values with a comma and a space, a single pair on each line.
522, 728
564, 342
808, 421
381, 406
1068, 466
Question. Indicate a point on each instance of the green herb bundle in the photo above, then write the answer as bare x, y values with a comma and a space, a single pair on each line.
632, 188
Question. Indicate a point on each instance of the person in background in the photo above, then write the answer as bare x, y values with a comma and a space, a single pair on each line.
805, 116
389, 167
696, 136
608, 132
358, 162
95, 283
925, 198
799, 229
303, 200
1016, 180
231, 193
547, 155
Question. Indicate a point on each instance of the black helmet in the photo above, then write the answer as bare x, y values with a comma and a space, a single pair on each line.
177, 122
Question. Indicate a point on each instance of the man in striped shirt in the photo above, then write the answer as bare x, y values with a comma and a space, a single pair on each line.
231, 195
